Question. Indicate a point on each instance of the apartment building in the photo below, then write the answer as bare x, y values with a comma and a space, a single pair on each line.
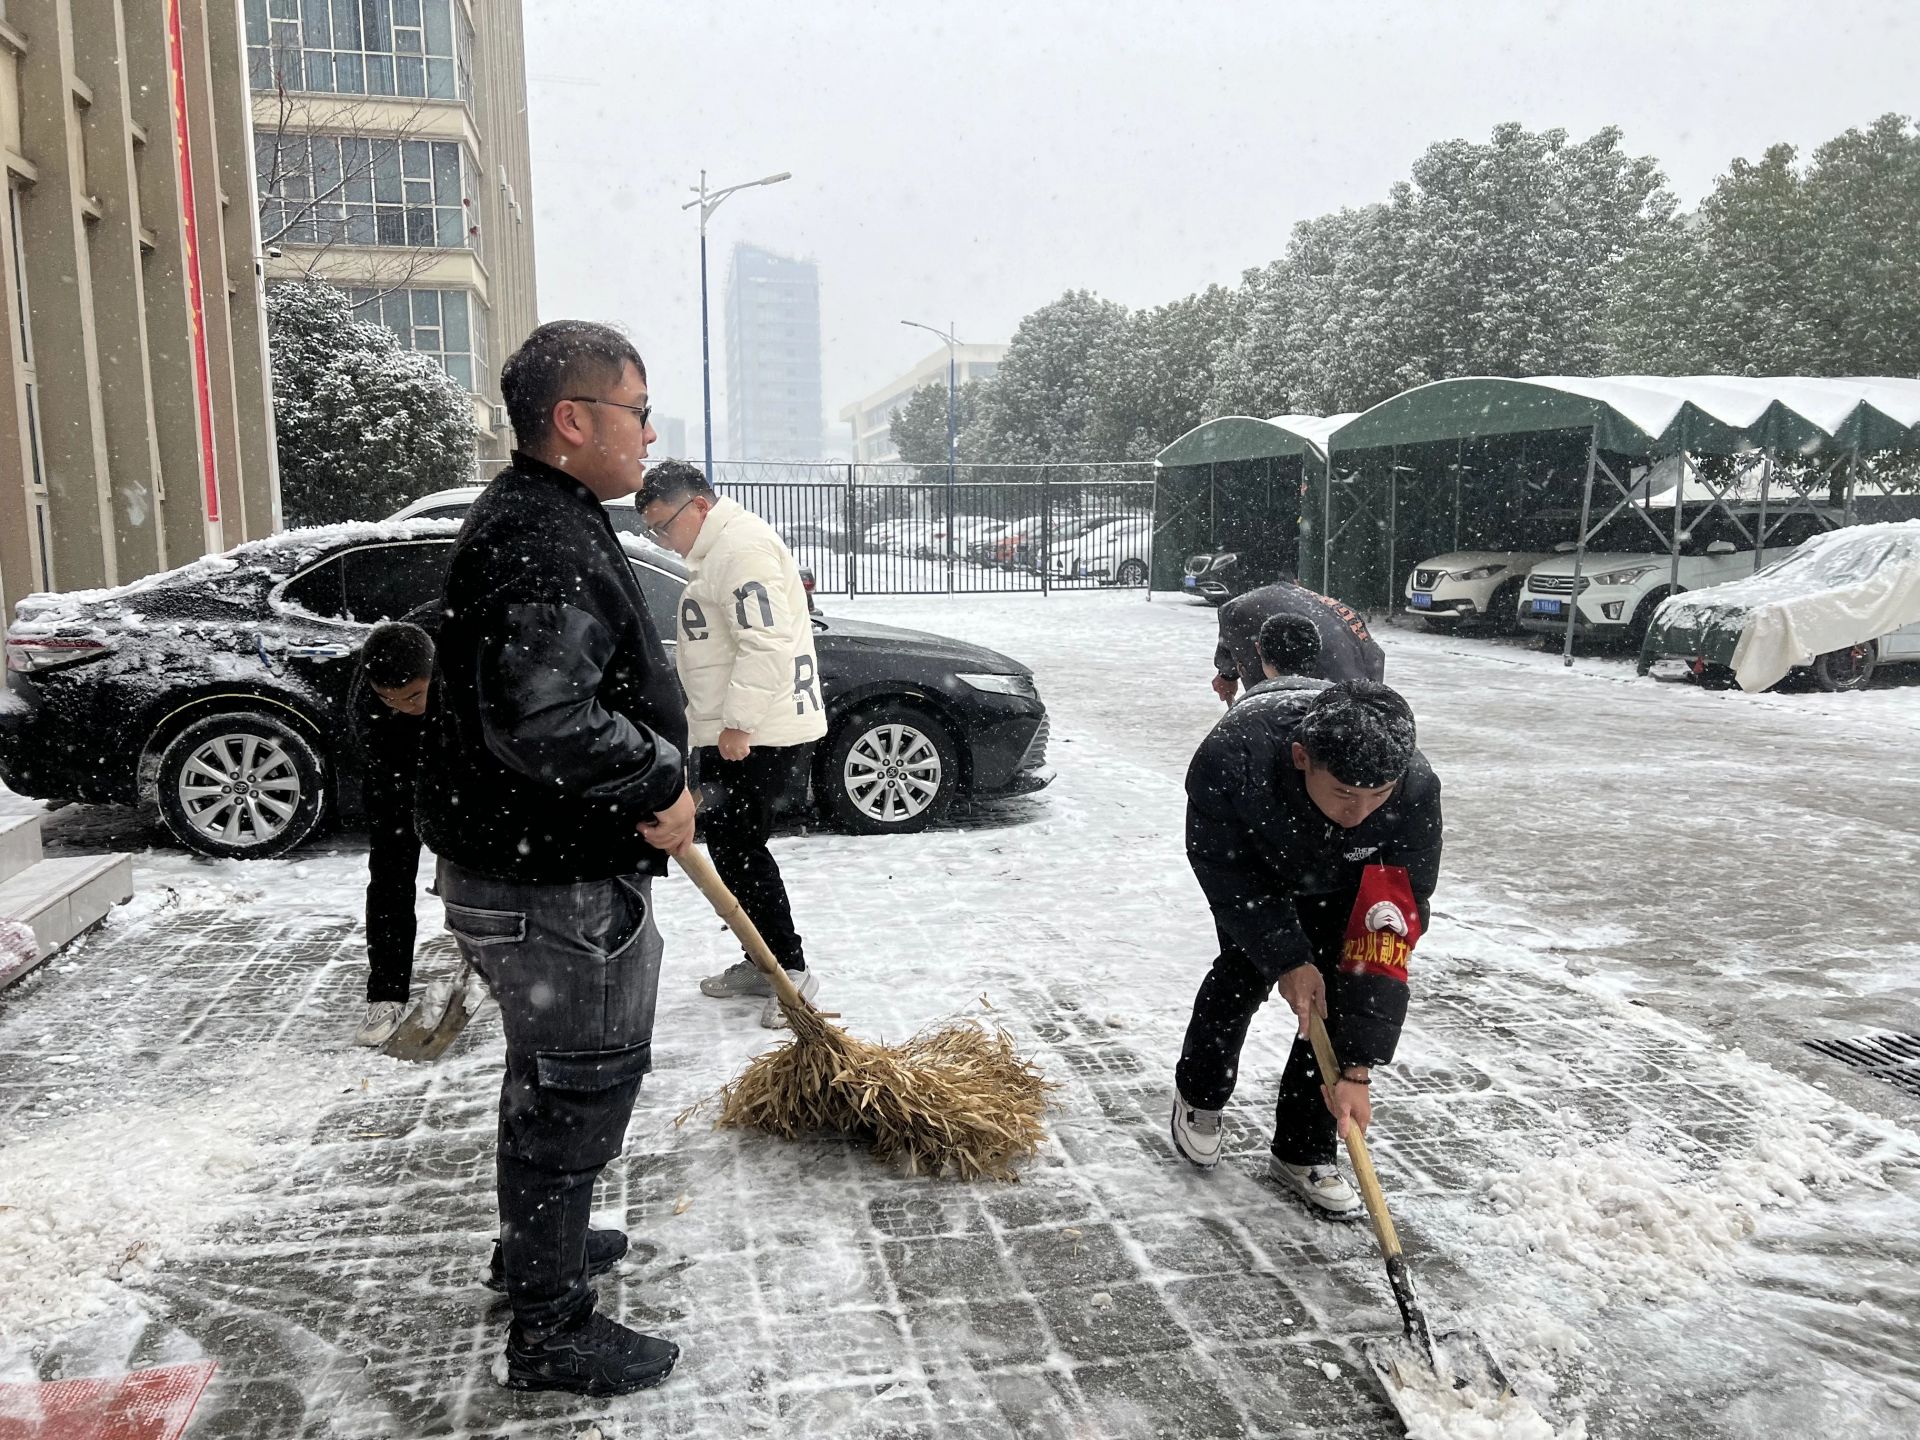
870, 419
773, 357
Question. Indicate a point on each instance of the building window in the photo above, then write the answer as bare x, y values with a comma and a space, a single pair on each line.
449, 325
416, 48
351, 190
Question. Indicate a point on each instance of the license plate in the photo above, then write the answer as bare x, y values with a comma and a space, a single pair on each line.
1422, 602
1546, 607
1192, 582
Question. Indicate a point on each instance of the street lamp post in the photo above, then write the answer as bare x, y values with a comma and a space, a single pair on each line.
952, 428
709, 201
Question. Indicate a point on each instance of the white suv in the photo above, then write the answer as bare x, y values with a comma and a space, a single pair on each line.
1470, 585
1623, 578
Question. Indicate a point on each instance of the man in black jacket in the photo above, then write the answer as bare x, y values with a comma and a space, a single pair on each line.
552, 789
1289, 799
388, 709
1348, 650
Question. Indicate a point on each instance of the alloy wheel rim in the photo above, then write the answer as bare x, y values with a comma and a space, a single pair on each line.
892, 773
239, 789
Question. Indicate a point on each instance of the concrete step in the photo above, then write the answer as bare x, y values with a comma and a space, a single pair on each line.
19, 842
46, 905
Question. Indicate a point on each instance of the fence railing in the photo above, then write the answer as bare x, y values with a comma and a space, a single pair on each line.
911, 530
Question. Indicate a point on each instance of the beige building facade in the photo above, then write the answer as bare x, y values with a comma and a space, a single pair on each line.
391, 159
135, 425
870, 419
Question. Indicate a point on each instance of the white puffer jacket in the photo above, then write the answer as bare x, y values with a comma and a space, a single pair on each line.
746, 655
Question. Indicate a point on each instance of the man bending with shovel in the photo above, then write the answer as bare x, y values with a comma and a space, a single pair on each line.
1296, 802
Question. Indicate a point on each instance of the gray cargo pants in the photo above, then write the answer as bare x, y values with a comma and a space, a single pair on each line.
575, 970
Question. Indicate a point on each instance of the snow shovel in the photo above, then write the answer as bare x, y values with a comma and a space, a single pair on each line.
415, 1040
1426, 1376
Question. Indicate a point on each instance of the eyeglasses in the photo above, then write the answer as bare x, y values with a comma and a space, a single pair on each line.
643, 411
658, 533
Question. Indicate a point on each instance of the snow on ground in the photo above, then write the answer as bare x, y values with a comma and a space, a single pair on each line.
1609, 1153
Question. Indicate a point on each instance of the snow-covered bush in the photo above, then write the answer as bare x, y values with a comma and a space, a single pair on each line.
364, 424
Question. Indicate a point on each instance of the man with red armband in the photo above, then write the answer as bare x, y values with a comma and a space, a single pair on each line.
1313, 826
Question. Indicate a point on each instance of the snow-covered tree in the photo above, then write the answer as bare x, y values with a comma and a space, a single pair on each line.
919, 426
1784, 270
1044, 401
363, 424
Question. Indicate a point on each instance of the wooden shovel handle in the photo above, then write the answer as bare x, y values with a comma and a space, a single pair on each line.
700, 870
1370, 1190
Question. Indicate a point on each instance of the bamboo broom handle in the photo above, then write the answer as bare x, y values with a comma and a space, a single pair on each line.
1370, 1190
700, 870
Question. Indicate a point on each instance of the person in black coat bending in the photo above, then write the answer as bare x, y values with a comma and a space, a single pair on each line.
388, 710
1347, 649
553, 788
1290, 799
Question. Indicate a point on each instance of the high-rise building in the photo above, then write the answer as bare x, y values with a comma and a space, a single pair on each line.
135, 428
870, 419
673, 437
391, 158
773, 357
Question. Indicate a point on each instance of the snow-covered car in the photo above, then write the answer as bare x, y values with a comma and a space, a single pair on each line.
1470, 585
219, 692
1842, 605
453, 505
1623, 579
1112, 549
627, 521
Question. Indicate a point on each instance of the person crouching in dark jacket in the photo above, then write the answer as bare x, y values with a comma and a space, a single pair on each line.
1290, 799
553, 788
388, 711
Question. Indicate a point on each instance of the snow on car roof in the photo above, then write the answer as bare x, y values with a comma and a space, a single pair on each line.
274, 554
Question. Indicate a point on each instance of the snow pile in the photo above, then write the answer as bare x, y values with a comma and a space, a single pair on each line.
94, 1202
1617, 1222
1434, 1409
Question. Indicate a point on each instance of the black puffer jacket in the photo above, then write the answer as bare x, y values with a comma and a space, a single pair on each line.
1259, 846
1348, 650
556, 725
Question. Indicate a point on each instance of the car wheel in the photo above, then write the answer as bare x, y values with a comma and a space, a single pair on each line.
241, 785
889, 770
1643, 618
1847, 669
1503, 610
1132, 574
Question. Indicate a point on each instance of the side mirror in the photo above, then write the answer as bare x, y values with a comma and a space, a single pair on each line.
1721, 547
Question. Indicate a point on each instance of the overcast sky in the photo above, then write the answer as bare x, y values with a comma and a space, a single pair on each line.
968, 163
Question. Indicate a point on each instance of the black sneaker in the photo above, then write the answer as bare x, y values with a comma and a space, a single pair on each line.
596, 1357
604, 1251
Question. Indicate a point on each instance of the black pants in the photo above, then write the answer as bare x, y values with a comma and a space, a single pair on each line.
576, 972
393, 879
1303, 1127
736, 814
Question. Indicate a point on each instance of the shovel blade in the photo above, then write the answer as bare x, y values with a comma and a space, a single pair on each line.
427, 1043
1461, 1380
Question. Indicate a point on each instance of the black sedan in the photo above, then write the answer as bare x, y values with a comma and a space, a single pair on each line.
219, 691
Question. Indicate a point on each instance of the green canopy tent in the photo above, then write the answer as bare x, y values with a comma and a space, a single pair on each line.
1378, 489
1234, 484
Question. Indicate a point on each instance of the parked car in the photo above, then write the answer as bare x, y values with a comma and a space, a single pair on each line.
627, 520
1474, 586
1623, 578
1216, 576
219, 692
1113, 549
1838, 608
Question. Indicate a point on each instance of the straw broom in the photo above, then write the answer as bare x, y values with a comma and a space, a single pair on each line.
956, 1099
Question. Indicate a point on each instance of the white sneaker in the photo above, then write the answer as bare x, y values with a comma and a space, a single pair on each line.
383, 1018
1323, 1187
1196, 1132
743, 977
772, 1017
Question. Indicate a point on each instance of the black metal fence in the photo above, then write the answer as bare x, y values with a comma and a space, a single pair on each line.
909, 530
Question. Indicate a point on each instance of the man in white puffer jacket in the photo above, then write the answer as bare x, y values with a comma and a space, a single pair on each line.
754, 708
